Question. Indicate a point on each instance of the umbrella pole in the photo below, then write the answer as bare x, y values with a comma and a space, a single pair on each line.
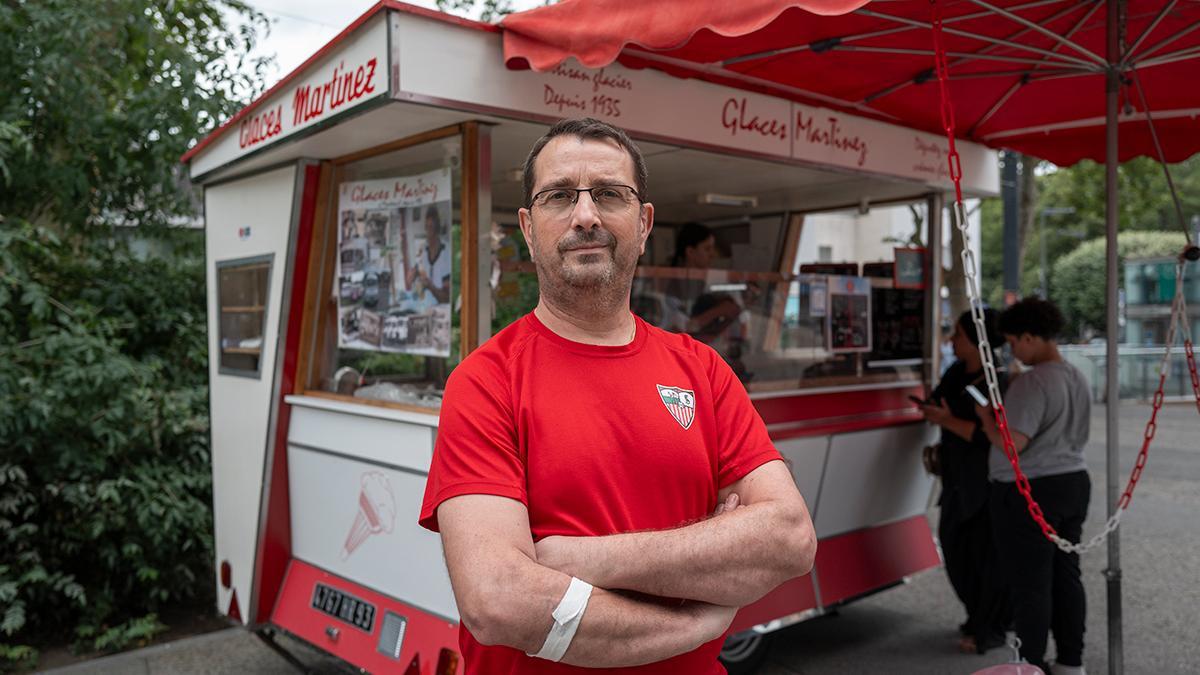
1113, 394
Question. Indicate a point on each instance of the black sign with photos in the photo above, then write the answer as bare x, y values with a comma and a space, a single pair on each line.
849, 314
344, 607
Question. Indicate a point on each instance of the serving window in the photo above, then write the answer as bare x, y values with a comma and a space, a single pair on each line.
789, 301
390, 296
796, 302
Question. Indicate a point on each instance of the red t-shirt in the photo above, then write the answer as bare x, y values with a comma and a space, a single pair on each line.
594, 440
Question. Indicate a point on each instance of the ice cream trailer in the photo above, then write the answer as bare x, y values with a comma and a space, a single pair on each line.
362, 239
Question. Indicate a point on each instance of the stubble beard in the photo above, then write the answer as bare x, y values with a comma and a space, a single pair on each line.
588, 285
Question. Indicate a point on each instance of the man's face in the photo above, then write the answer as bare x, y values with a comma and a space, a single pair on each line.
1023, 346
584, 248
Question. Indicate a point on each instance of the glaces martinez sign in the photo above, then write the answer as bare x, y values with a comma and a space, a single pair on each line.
310, 101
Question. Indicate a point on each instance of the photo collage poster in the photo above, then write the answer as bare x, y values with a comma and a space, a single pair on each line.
394, 262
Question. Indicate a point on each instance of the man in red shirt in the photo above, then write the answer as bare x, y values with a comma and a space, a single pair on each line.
607, 495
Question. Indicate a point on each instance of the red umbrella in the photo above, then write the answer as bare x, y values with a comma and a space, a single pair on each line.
1027, 75
1057, 79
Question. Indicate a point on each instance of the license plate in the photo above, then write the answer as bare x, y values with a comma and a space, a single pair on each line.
344, 607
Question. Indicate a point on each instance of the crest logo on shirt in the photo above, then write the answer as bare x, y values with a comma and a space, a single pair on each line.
681, 403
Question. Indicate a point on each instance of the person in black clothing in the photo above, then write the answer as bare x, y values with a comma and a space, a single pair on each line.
965, 528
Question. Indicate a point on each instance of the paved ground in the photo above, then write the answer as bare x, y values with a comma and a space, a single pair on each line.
911, 629
232, 650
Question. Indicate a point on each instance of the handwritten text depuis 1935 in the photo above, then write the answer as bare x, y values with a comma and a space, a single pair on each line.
599, 104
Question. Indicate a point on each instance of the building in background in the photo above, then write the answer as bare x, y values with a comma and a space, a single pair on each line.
1149, 291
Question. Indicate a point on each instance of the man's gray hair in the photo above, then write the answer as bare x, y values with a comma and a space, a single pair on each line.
587, 128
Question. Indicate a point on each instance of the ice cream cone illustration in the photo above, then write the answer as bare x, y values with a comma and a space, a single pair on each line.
376, 511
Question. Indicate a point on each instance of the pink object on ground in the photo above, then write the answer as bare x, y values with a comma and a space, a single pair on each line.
1011, 669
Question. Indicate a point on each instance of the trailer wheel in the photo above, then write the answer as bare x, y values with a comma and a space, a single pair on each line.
745, 653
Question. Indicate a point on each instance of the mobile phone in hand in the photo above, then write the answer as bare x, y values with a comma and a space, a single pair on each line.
919, 401
977, 395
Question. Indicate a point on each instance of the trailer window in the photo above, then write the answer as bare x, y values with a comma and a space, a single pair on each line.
390, 324
789, 301
242, 287
514, 279
796, 302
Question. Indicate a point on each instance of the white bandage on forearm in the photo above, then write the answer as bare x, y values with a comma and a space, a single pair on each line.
567, 617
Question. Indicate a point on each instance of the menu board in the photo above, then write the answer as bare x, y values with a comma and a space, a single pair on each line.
896, 324
849, 311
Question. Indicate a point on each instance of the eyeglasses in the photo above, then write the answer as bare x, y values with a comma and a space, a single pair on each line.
609, 199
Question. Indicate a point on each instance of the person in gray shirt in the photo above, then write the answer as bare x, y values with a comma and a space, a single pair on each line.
1048, 410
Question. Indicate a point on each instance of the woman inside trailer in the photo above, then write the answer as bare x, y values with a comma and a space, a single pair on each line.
690, 306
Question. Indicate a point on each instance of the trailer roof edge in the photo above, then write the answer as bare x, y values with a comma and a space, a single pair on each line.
381, 6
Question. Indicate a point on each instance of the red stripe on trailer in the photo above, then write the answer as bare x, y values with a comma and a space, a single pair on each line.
425, 635
838, 412
795, 595
858, 562
275, 542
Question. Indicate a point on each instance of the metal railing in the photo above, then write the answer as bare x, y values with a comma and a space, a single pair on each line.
1138, 376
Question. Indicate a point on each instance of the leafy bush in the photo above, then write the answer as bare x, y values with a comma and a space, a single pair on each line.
105, 513
105, 486
1077, 280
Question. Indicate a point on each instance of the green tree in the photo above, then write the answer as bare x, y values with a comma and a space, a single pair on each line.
109, 94
1078, 277
1145, 206
991, 253
1145, 202
105, 494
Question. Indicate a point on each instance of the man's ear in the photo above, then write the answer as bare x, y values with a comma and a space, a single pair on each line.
646, 223
526, 220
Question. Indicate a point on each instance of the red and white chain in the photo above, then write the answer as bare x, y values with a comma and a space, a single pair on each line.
971, 272
1178, 318
1186, 326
